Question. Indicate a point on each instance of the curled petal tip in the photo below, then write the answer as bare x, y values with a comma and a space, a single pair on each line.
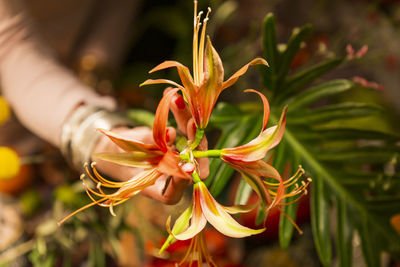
264, 62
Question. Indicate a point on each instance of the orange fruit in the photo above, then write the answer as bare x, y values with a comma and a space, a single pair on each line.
14, 177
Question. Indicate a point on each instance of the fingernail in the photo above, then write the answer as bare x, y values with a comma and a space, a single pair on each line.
180, 103
167, 135
188, 168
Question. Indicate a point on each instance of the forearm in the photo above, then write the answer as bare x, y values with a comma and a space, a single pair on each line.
42, 93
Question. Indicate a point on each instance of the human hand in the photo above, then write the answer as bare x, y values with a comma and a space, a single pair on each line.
169, 193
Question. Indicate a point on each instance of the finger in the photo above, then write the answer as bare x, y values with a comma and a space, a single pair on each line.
170, 195
171, 135
203, 162
181, 112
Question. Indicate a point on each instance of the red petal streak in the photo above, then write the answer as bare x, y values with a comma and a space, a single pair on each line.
266, 107
179, 102
160, 120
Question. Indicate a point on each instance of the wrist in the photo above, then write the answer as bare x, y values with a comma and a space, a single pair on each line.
79, 135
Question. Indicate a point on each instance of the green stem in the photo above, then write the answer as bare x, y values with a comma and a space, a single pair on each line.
196, 177
198, 137
214, 153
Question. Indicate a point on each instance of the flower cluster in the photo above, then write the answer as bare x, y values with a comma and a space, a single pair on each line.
200, 92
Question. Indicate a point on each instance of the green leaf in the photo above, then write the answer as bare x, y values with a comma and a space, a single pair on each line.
243, 193
243, 131
361, 155
320, 221
224, 114
270, 51
299, 80
141, 117
293, 47
347, 134
97, 257
318, 92
344, 233
286, 227
318, 170
334, 112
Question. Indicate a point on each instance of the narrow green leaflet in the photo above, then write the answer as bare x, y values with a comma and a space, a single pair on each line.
332, 112
298, 81
270, 51
286, 227
320, 220
141, 117
341, 150
318, 92
293, 46
344, 233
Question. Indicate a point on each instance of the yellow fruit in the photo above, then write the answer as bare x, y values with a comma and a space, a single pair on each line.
14, 178
9, 163
4, 111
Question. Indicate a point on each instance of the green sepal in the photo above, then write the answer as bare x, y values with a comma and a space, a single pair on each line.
180, 225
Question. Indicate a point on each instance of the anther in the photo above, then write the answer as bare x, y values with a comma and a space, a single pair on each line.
309, 179
93, 164
112, 210
98, 185
86, 165
82, 176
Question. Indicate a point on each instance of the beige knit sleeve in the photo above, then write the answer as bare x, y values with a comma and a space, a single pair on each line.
41, 92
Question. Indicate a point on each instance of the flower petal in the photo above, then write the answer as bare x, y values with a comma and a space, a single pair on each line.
184, 74
232, 80
169, 164
128, 144
160, 120
239, 208
259, 168
161, 81
133, 186
197, 222
203, 100
266, 107
258, 147
219, 218
257, 185
132, 159
213, 69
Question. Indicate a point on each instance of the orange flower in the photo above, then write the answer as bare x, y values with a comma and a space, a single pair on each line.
156, 159
206, 208
247, 159
202, 90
